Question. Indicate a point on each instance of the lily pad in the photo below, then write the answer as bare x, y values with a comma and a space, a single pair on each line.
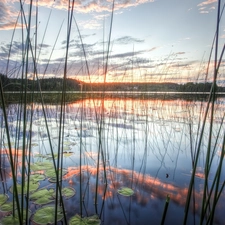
3, 198
34, 144
10, 220
68, 192
67, 143
66, 148
125, 191
43, 196
46, 215
39, 155
33, 186
14, 220
67, 154
91, 220
40, 166
52, 176
7, 207
37, 177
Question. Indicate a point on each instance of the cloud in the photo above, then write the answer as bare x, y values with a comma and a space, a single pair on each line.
132, 54
208, 2
7, 16
16, 48
9, 26
204, 6
180, 53
91, 24
87, 6
128, 40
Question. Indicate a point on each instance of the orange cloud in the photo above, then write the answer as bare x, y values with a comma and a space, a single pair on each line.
208, 2
10, 26
91, 5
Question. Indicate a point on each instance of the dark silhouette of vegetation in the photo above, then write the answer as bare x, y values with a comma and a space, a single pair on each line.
55, 84
49, 84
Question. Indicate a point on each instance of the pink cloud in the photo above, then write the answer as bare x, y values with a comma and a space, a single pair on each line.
204, 12
9, 26
208, 2
92, 5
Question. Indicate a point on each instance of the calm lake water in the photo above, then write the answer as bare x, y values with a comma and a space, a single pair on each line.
146, 145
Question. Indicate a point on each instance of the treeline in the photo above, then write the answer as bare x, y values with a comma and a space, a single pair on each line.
49, 84
153, 87
56, 84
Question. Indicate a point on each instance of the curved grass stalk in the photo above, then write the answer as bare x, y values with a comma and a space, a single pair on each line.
100, 148
10, 153
211, 98
62, 111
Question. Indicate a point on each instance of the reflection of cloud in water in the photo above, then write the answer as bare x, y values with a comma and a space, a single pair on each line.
145, 186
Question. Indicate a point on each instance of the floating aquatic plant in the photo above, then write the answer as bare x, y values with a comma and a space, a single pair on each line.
43, 196
10, 220
33, 186
46, 215
36, 177
7, 207
3, 198
14, 220
39, 166
68, 192
67, 154
39, 155
49, 156
125, 191
91, 220
51, 173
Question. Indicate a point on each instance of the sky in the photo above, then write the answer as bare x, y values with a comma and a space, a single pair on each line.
149, 40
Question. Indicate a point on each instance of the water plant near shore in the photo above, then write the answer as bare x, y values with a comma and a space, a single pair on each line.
93, 135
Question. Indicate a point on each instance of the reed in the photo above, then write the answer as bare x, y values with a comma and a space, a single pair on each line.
107, 141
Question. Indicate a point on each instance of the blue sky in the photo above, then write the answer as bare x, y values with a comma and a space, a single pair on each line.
151, 40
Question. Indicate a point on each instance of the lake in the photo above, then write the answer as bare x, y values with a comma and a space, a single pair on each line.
148, 145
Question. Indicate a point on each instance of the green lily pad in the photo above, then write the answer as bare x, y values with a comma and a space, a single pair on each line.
14, 220
10, 220
43, 196
7, 207
125, 191
3, 198
91, 220
46, 215
49, 156
37, 177
33, 186
68, 192
34, 144
41, 166
39, 155
67, 154
67, 143
66, 148
51, 173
